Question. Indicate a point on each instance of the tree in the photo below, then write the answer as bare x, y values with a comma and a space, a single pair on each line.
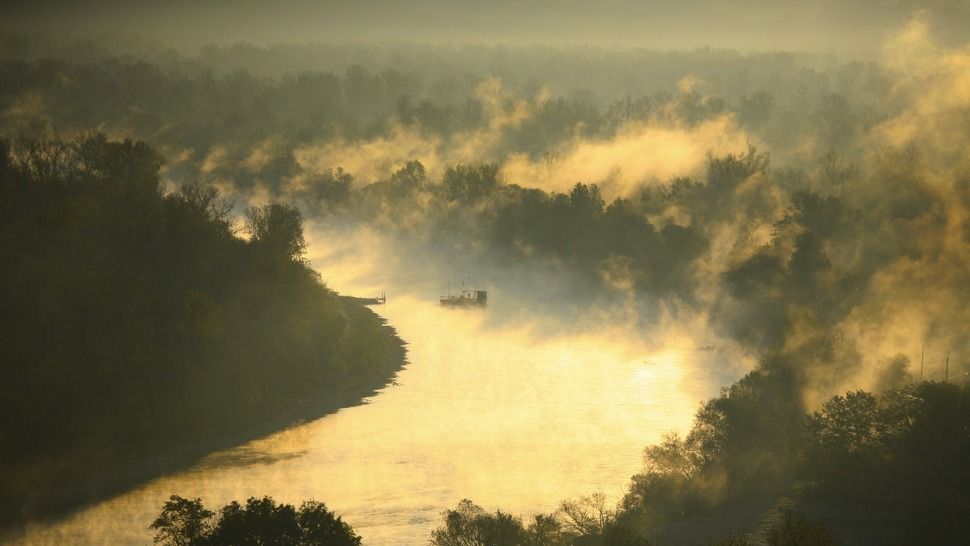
45, 162
412, 176
279, 229
204, 202
182, 522
469, 183
547, 531
321, 526
469, 525
847, 424
260, 522
672, 456
729, 171
587, 515
332, 188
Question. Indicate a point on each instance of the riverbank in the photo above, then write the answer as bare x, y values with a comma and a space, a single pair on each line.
126, 473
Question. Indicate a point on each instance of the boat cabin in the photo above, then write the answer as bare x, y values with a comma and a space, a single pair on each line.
466, 298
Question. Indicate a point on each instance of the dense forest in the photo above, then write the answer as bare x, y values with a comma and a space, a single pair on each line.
145, 330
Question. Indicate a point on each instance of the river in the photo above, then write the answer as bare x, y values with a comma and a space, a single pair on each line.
508, 413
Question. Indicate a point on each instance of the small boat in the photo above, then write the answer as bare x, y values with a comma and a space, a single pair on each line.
467, 298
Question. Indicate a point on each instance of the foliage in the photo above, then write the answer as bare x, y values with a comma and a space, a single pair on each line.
587, 515
144, 325
894, 455
878, 453
470, 525
278, 229
795, 530
260, 522
123, 297
182, 522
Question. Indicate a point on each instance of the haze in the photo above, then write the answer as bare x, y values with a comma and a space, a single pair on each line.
493, 274
848, 27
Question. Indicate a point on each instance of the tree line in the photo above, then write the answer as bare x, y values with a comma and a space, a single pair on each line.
180, 104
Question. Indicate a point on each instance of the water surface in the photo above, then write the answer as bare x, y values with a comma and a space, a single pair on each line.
504, 412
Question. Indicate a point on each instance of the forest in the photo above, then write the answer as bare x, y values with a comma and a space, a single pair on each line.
147, 331
813, 213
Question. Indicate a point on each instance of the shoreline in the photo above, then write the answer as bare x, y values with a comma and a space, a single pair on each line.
131, 474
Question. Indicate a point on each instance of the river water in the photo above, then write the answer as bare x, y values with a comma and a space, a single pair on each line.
508, 413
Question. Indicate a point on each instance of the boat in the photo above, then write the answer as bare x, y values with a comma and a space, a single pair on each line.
467, 298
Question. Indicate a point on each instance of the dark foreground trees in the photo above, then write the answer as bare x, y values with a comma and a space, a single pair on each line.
886, 468
139, 324
470, 525
261, 522
868, 462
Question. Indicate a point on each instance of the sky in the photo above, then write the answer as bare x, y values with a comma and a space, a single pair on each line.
826, 25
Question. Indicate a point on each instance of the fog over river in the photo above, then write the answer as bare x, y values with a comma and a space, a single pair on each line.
504, 405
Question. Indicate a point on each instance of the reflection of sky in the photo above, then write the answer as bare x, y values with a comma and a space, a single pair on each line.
489, 409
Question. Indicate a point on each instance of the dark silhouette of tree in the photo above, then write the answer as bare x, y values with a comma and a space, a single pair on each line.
261, 522
331, 189
546, 530
182, 522
278, 229
409, 179
469, 183
321, 526
726, 172
588, 515
470, 525
848, 439
205, 203
891, 459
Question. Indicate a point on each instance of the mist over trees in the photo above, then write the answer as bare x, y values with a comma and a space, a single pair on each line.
813, 212
227, 96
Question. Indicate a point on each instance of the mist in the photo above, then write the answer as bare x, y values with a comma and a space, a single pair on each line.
751, 222
858, 28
